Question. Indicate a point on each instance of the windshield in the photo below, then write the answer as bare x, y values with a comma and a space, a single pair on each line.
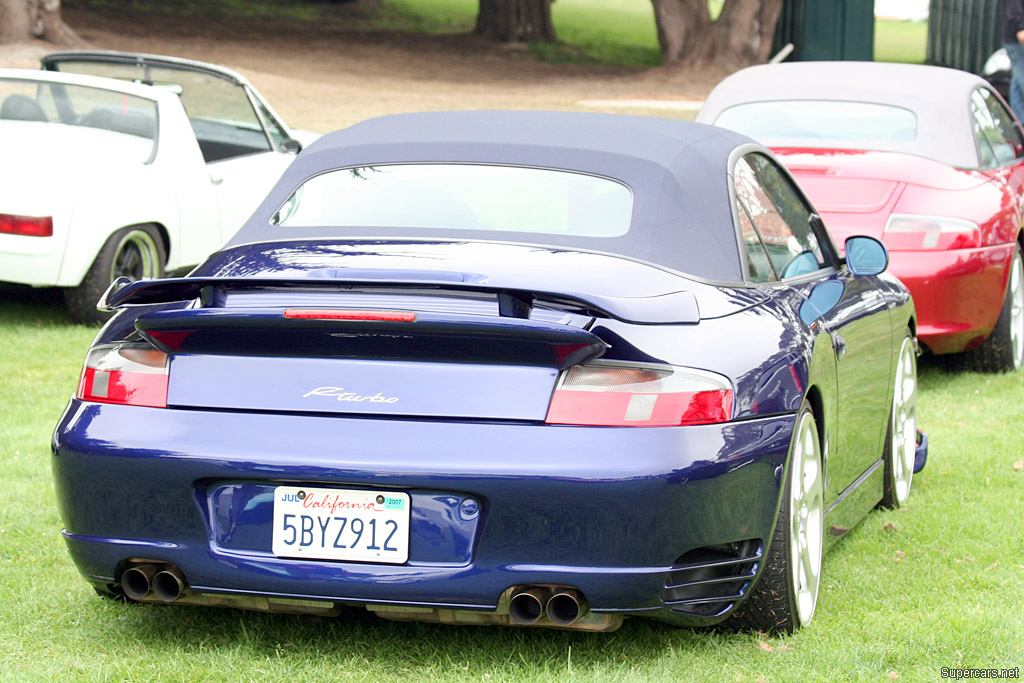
133, 118
462, 197
814, 120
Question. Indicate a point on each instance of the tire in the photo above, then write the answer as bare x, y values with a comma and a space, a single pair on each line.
785, 596
136, 252
1003, 351
901, 435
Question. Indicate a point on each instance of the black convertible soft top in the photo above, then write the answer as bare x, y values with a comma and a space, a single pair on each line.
678, 172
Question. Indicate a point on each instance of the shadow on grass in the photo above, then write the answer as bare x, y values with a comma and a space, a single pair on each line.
29, 306
357, 635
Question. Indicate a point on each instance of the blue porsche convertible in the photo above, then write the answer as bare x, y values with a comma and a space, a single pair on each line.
516, 368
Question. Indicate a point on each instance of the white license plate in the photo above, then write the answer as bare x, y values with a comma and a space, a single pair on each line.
341, 524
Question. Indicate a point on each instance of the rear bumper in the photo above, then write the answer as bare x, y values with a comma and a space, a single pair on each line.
604, 510
957, 294
30, 260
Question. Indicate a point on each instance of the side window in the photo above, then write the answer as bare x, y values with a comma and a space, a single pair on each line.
758, 266
997, 139
780, 216
979, 122
272, 125
222, 117
1009, 144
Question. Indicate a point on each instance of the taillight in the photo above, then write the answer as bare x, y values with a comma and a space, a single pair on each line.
904, 231
639, 395
129, 374
27, 226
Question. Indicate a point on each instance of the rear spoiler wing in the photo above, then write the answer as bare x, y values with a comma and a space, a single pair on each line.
670, 308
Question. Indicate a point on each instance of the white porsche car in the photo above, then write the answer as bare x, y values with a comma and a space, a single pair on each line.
130, 165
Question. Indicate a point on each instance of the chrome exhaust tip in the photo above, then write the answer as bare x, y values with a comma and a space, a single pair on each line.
565, 607
169, 585
135, 582
527, 606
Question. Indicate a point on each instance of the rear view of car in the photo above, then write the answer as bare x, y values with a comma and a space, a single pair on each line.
68, 140
534, 380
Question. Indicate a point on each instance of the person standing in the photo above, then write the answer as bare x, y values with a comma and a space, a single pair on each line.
1013, 41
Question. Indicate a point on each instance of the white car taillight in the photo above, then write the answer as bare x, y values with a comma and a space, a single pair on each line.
612, 393
26, 226
905, 231
128, 373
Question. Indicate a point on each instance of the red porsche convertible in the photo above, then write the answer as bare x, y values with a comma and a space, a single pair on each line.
930, 160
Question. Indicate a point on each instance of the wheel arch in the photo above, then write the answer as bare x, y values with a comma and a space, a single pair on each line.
816, 401
82, 250
1018, 241
165, 237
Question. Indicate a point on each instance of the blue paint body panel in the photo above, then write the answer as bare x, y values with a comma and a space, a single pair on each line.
609, 509
361, 386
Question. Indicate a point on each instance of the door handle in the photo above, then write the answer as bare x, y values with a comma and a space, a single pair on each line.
839, 344
216, 179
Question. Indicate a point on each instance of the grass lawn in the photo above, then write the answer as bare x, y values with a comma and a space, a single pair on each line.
937, 584
901, 41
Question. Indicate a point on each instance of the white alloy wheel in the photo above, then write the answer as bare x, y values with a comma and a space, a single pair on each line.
806, 518
904, 422
1003, 351
1016, 296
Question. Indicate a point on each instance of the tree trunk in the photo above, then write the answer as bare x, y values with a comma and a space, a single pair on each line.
746, 29
27, 19
741, 35
514, 21
684, 31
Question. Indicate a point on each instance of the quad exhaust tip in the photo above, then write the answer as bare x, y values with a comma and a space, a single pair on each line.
168, 585
164, 582
564, 607
528, 604
135, 582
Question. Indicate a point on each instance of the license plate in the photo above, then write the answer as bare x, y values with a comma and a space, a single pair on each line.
341, 524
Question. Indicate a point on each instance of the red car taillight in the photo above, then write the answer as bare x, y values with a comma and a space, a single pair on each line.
129, 374
609, 393
910, 232
27, 226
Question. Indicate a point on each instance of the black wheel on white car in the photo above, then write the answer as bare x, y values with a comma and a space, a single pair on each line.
901, 436
785, 596
1003, 351
136, 252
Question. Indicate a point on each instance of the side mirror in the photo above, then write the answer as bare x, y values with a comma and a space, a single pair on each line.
291, 146
866, 255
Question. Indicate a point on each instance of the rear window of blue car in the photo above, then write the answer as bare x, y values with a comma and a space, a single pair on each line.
811, 120
462, 197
